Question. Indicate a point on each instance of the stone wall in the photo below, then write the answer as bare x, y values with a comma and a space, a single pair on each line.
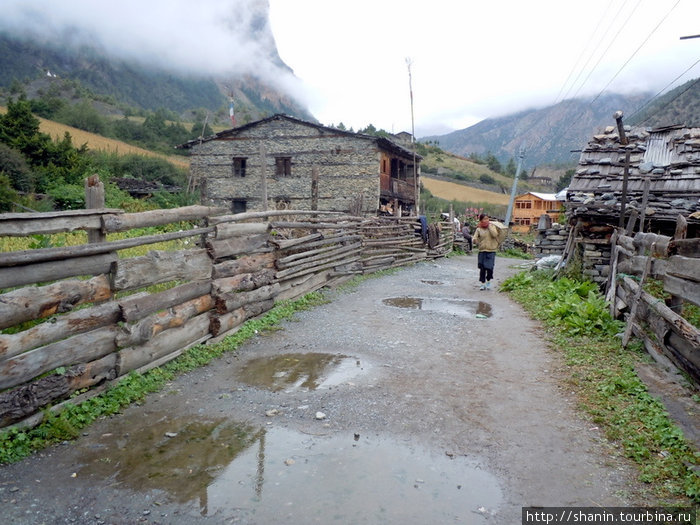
551, 240
348, 169
595, 255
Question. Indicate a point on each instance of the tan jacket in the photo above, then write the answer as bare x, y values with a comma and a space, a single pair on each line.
486, 239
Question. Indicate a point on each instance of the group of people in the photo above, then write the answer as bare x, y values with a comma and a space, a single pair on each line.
485, 238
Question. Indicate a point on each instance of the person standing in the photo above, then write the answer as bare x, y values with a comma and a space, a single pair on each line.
486, 239
467, 235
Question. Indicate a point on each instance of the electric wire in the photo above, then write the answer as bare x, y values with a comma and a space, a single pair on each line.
604, 52
583, 51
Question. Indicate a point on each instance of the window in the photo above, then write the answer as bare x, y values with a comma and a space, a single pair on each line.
523, 205
238, 205
239, 164
283, 166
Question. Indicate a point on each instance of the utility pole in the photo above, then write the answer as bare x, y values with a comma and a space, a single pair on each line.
515, 186
416, 191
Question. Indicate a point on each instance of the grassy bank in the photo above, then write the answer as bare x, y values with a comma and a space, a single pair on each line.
603, 375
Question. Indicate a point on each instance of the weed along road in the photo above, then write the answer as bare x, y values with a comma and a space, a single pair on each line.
410, 398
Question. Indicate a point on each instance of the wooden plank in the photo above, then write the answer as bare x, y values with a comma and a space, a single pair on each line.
321, 262
635, 303
230, 301
635, 266
84, 347
51, 254
164, 343
129, 221
243, 282
236, 246
684, 267
244, 264
273, 213
685, 289
685, 247
139, 306
27, 399
324, 255
652, 244
317, 268
675, 321
234, 229
56, 270
24, 224
147, 328
220, 324
161, 267
59, 328
284, 244
37, 302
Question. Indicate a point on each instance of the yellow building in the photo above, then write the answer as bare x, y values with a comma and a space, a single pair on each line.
528, 207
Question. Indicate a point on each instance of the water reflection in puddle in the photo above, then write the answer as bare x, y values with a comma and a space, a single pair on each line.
273, 475
461, 307
309, 371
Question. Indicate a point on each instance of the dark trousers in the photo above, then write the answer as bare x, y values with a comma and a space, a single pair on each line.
486, 261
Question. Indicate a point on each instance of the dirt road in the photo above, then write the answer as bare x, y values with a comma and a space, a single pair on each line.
413, 398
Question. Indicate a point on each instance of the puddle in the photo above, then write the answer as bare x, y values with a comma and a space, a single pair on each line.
460, 307
274, 475
300, 371
431, 282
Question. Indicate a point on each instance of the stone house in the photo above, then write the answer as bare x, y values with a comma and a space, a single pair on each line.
282, 162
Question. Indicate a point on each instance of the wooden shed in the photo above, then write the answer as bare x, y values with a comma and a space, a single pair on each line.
528, 207
651, 174
635, 178
282, 162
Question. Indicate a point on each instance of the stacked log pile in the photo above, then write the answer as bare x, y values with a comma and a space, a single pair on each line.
78, 317
667, 336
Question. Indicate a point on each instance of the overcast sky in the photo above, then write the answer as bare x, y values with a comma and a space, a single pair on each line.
474, 59
470, 59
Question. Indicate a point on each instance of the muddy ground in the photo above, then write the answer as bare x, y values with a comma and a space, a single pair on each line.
413, 398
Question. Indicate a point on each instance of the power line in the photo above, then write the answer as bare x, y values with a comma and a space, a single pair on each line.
593, 54
583, 51
637, 50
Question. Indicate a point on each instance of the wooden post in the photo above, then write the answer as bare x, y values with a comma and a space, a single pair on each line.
636, 299
645, 200
94, 199
623, 141
314, 188
263, 178
675, 302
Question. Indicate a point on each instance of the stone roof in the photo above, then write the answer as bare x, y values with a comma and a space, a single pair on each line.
668, 158
382, 142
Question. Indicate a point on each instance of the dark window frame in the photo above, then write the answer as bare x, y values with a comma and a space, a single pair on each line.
283, 166
238, 166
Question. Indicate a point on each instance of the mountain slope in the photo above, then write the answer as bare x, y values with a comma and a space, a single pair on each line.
252, 72
548, 135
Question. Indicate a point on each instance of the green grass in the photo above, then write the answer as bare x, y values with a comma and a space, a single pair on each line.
602, 373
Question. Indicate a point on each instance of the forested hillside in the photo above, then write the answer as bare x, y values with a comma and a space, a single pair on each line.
554, 135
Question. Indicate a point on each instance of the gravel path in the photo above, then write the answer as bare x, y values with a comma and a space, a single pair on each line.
412, 398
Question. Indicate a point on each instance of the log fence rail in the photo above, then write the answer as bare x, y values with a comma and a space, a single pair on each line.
80, 317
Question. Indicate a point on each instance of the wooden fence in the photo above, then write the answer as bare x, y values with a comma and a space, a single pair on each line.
667, 336
81, 317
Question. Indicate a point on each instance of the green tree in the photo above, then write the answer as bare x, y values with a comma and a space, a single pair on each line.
511, 168
493, 163
83, 116
15, 168
8, 195
565, 179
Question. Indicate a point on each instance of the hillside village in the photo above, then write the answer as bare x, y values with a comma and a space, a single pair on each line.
189, 275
